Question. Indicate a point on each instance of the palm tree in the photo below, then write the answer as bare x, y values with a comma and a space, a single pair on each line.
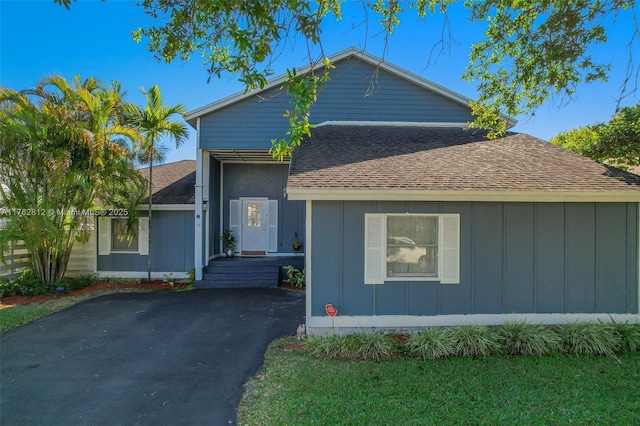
154, 122
58, 148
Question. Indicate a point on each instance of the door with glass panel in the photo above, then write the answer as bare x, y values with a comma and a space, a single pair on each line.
254, 226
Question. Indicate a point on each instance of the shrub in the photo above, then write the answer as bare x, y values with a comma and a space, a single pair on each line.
333, 346
629, 335
588, 338
9, 288
431, 343
80, 282
28, 284
522, 338
295, 276
474, 341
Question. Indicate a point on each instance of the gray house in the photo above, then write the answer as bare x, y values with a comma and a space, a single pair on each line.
116, 251
407, 217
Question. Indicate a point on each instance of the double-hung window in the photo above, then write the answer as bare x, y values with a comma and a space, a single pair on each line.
412, 247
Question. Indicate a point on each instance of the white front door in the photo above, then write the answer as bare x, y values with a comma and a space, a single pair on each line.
255, 225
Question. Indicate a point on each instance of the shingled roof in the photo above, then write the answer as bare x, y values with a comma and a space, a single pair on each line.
391, 162
173, 183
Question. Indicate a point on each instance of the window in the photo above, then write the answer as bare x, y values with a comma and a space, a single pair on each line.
123, 239
412, 247
115, 237
253, 215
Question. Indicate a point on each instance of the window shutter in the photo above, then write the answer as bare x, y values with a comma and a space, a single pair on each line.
104, 235
234, 220
450, 249
272, 232
374, 258
143, 235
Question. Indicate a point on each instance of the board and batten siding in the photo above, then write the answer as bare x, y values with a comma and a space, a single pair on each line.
265, 180
82, 260
537, 258
172, 246
371, 96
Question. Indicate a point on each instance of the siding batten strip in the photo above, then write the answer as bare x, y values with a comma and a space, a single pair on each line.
595, 257
307, 257
566, 257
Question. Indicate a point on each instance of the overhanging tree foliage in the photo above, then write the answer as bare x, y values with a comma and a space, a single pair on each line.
616, 142
531, 52
63, 148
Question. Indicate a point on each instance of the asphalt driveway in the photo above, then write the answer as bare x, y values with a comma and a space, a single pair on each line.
142, 359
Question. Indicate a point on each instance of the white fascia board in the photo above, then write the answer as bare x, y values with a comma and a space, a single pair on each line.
352, 51
515, 196
394, 124
326, 325
168, 207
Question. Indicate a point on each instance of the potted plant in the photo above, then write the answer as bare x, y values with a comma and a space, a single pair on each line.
296, 245
229, 242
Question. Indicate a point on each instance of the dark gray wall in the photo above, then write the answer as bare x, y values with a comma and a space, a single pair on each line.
172, 246
354, 93
514, 257
214, 207
265, 180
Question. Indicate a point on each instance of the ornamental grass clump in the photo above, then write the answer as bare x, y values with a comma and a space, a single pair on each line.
589, 338
372, 346
522, 338
333, 346
474, 341
431, 343
629, 335
364, 346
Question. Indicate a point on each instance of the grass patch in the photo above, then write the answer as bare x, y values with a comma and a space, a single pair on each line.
15, 316
12, 316
296, 389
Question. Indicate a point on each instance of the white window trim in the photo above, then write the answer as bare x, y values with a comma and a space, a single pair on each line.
440, 250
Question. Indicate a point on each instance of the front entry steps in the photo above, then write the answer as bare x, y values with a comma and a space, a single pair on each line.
246, 272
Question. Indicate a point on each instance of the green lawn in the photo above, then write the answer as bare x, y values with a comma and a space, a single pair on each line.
295, 389
14, 316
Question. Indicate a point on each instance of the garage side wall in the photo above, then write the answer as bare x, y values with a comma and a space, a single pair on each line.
514, 258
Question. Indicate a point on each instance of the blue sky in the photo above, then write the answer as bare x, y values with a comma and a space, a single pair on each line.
38, 37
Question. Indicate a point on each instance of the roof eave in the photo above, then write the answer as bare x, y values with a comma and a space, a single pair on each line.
462, 195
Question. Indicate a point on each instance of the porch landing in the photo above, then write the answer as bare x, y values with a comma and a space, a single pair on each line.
247, 272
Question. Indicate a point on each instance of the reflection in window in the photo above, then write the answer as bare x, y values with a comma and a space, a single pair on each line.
123, 239
412, 246
253, 215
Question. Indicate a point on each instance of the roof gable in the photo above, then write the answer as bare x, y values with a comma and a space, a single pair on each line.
454, 163
359, 90
376, 63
